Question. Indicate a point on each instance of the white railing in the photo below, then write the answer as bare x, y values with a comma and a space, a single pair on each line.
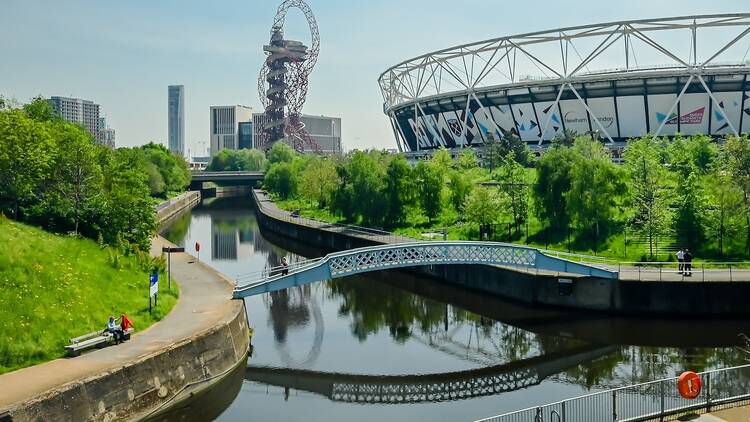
641, 402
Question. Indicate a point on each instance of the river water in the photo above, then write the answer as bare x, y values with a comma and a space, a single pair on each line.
365, 348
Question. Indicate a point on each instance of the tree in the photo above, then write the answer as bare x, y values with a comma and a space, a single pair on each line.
78, 175
724, 198
280, 152
467, 159
553, 180
690, 212
399, 189
482, 207
492, 152
430, 184
596, 187
566, 138
737, 152
442, 160
648, 192
238, 160
460, 188
318, 180
514, 187
40, 110
281, 179
696, 153
26, 151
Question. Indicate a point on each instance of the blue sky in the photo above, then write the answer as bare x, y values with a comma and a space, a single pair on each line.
123, 54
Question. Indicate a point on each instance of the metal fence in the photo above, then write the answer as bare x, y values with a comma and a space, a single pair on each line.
673, 271
643, 402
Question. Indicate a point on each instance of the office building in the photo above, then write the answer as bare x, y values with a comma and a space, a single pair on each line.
176, 119
76, 110
225, 126
324, 130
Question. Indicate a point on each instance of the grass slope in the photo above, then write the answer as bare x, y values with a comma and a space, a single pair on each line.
55, 287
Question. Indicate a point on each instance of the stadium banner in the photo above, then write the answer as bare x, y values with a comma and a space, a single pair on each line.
604, 109
548, 112
504, 119
694, 113
731, 104
528, 127
745, 113
632, 116
658, 112
575, 117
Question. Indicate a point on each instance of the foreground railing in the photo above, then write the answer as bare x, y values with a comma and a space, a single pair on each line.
642, 402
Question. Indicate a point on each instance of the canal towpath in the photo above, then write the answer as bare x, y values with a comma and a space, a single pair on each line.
204, 303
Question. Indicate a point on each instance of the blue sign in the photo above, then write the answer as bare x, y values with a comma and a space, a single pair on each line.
154, 284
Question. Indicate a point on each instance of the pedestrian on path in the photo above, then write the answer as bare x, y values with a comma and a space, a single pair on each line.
688, 266
681, 260
285, 265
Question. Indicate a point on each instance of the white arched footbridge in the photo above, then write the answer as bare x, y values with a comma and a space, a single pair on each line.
376, 258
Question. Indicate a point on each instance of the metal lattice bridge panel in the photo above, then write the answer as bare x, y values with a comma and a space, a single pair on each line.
376, 258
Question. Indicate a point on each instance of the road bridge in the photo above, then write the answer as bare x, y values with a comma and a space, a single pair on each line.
353, 388
248, 178
376, 258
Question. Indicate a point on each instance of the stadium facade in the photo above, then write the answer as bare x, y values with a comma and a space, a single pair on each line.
618, 80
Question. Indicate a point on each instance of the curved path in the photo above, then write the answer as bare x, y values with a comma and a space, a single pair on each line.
204, 303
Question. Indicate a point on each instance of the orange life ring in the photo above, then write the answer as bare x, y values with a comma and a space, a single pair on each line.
689, 385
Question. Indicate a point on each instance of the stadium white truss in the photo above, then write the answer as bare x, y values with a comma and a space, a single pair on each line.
691, 46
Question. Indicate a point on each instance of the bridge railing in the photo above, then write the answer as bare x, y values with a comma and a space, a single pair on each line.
641, 402
671, 271
270, 272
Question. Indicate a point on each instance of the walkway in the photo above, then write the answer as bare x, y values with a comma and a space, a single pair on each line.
725, 272
204, 303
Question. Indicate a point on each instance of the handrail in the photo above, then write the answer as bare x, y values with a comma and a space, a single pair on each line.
632, 403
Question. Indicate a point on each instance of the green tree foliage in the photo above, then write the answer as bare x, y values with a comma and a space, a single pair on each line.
430, 183
482, 206
690, 211
515, 190
648, 191
724, 201
492, 152
442, 161
53, 174
238, 160
399, 189
282, 179
696, 153
26, 158
738, 165
280, 152
460, 187
467, 159
319, 180
596, 188
553, 180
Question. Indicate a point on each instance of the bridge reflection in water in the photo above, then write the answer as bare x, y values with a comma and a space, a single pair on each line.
449, 386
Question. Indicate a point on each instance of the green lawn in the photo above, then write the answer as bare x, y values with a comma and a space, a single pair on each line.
55, 287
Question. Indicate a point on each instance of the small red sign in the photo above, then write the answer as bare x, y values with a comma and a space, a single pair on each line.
197, 246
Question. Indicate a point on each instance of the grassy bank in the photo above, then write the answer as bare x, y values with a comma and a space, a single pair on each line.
55, 287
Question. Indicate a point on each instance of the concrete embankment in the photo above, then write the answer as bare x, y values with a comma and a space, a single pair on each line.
202, 340
673, 298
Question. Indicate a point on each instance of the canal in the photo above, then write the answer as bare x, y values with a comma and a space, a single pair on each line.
397, 346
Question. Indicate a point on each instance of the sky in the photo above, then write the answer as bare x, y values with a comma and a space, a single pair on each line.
123, 54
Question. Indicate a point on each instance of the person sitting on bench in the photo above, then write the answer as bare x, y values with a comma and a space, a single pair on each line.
125, 324
114, 329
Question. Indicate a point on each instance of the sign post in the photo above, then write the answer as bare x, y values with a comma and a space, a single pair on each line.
153, 289
169, 263
198, 250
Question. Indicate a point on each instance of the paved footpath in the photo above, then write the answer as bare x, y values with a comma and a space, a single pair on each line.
735, 414
204, 303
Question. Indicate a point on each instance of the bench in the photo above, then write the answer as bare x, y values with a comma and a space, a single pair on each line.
95, 339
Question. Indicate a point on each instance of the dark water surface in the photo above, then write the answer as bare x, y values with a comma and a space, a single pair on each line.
395, 346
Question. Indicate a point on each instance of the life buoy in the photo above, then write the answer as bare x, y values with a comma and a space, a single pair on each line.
689, 385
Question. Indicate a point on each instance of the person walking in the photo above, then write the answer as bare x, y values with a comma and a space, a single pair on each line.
681, 260
688, 263
285, 266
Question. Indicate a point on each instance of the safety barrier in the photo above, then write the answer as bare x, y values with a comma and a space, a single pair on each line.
721, 388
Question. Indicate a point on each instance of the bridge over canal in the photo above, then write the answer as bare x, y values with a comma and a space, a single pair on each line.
376, 258
353, 388
233, 178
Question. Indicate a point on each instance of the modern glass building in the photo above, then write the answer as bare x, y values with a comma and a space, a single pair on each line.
176, 117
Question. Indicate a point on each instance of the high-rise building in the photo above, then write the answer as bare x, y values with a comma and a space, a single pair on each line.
106, 135
79, 111
176, 119
225, 126
325, 131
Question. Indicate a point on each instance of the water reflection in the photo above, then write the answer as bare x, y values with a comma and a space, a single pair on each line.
396, 337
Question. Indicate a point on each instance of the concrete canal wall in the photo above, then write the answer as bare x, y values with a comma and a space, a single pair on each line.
203, 340
671, 298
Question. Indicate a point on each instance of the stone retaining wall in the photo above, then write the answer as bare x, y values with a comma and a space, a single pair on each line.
689, 298
151, 384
